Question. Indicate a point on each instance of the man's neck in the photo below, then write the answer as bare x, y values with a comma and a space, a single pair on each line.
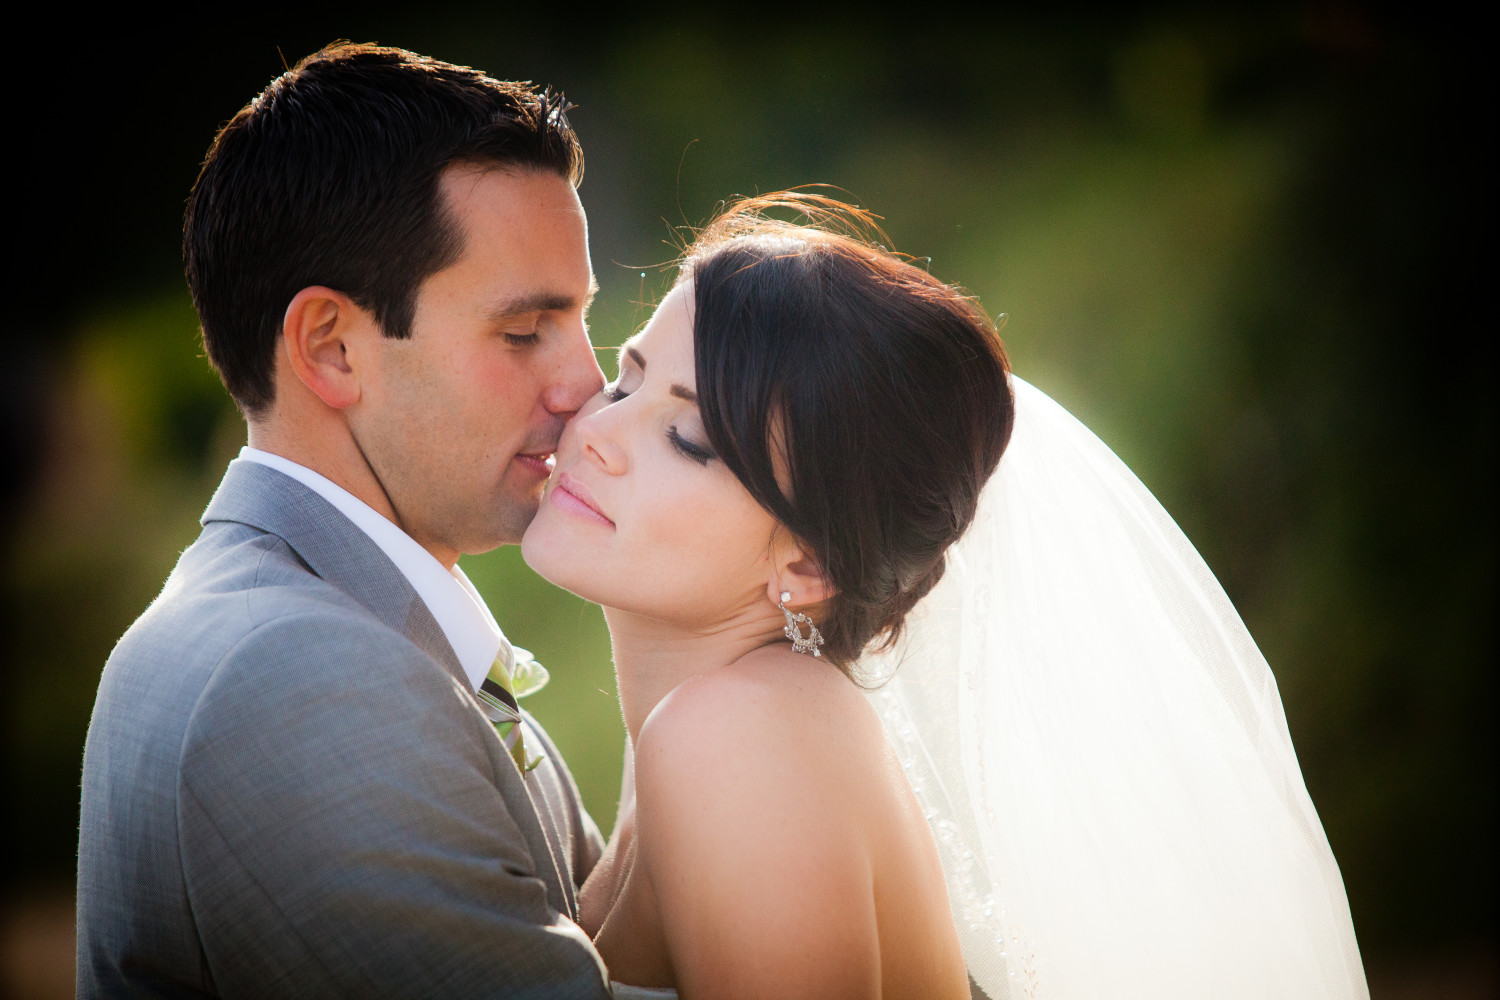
332, 453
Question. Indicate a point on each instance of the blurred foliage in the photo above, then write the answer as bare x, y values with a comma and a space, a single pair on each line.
1242, 247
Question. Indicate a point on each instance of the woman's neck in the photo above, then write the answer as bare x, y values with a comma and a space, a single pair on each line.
653, 657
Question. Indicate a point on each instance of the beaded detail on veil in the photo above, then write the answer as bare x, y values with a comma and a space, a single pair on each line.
990, 934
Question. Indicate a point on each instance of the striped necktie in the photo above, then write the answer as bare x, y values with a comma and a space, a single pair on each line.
511, 677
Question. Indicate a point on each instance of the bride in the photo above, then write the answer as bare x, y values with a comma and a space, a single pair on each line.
863, 760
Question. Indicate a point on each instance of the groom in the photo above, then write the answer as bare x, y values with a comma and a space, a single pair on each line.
289, 788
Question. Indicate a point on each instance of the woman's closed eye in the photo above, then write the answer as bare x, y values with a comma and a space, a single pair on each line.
700, 453
626, 382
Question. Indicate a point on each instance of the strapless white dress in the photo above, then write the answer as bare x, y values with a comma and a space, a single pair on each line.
623, 991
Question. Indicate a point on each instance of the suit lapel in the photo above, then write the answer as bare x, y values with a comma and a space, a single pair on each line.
336, 550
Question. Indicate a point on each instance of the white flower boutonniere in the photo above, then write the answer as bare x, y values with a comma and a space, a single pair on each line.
514, 674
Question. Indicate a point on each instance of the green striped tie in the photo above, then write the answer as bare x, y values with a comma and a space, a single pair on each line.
498, 695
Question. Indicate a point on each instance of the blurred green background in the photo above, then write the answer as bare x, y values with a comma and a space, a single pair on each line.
1245, 247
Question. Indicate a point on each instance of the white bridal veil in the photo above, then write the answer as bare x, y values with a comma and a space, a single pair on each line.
1102, 753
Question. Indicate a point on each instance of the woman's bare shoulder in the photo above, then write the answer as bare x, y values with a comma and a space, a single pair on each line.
753, 789
770, 710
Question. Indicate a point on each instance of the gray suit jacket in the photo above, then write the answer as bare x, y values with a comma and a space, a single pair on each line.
289, 790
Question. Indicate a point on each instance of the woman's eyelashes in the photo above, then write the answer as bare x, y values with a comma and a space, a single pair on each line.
625, 383
699, 453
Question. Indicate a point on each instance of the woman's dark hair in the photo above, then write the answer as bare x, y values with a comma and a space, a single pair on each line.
861, 401
330, 177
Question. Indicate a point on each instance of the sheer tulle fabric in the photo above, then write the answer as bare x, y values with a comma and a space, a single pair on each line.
1102, 752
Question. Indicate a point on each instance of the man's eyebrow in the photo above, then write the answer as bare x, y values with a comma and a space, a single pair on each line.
530, 302
677, 389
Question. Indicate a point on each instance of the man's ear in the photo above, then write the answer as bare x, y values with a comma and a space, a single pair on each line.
796, 570
317, 334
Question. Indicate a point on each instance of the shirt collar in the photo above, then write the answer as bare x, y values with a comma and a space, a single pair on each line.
460, 612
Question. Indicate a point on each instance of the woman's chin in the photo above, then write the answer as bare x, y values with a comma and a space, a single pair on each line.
553, 556
534, 548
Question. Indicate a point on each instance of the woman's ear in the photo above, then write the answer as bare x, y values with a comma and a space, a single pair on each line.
797, 571
318, 333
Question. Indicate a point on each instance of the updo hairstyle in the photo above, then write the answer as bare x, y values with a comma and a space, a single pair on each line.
862, 402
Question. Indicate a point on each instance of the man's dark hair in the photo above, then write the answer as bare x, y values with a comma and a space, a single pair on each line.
330, 177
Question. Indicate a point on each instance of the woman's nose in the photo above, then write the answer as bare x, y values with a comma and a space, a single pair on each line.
597, 431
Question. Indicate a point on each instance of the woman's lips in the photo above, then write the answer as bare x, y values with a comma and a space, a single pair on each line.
573, 497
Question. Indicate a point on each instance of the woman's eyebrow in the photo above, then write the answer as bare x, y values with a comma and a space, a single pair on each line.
677, 389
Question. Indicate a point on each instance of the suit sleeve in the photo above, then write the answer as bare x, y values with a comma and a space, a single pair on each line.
342, 833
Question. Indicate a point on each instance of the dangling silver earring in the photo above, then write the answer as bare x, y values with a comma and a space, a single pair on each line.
813, 640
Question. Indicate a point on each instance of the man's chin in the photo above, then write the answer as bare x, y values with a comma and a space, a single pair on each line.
515, 515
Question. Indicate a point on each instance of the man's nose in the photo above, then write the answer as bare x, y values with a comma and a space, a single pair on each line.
577, 378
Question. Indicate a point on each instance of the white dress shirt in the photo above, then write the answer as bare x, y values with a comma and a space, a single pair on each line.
460, 611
